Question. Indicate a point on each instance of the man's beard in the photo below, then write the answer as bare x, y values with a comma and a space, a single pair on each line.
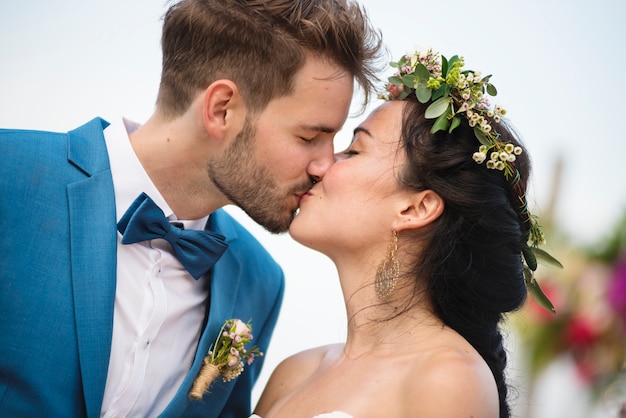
250, 186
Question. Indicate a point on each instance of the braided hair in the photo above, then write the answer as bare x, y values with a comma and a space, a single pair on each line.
473, 261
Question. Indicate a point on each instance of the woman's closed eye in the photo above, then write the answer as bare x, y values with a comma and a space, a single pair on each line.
350, 152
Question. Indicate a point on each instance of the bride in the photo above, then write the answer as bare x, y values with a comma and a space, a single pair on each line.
427, 241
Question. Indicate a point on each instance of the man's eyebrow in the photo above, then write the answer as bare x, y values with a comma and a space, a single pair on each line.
319, 128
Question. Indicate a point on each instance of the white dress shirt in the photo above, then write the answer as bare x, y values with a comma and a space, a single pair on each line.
159, 306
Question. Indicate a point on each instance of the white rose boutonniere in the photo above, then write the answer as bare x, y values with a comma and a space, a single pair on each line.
226, 357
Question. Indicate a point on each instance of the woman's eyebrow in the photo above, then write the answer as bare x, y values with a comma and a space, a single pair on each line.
361, 129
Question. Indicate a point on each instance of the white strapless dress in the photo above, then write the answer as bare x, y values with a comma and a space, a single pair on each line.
334, 414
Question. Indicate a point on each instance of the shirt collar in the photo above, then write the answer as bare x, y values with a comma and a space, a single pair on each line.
129, 177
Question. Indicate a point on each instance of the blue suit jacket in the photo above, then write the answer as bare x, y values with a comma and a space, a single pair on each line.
57, 282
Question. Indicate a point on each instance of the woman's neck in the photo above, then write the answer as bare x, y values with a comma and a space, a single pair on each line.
378, 326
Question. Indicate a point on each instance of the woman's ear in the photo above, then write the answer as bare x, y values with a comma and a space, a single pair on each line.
420, 210
222, 108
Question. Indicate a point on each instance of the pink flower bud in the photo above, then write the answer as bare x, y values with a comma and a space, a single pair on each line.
232, 360
241, 328
394, 90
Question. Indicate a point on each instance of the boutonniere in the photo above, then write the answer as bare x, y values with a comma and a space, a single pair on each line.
226, 357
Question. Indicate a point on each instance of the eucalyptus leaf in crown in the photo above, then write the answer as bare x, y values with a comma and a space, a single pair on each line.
455, 94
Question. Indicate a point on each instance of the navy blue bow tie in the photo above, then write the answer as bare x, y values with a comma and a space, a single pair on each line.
197, 251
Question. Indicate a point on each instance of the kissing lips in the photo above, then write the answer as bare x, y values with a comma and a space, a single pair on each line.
299, 197
302, 196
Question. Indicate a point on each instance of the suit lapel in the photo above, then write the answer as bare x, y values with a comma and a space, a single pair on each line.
93, 257
225, 280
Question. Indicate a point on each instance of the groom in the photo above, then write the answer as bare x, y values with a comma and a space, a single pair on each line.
103, 312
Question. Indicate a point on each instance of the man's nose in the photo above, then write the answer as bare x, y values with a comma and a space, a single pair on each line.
324, 158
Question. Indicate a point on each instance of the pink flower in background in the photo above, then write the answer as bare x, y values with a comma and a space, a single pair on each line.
617, 290
580, 333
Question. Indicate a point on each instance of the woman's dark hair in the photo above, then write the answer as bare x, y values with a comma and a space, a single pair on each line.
472, 261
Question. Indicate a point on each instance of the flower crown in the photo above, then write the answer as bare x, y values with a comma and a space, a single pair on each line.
456, 94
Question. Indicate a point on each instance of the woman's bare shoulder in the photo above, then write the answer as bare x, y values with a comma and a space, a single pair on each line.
454, 381
292, 372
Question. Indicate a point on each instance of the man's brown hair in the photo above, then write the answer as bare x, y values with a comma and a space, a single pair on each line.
260, 45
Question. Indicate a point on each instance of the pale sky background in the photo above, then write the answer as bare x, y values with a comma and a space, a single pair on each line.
558, 66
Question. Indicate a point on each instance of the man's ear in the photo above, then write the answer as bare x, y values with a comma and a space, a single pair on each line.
222, 108
419, 210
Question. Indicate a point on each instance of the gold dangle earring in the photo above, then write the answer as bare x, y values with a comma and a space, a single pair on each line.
388, 270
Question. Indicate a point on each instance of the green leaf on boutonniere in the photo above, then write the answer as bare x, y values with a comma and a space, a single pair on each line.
491, 89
